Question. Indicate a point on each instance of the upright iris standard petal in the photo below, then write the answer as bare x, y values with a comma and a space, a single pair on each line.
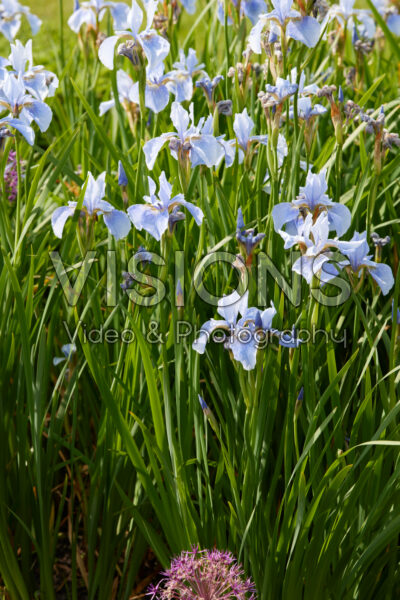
229, 307
243, 126
106, 51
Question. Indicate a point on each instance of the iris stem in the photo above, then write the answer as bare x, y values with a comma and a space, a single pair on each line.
19, 190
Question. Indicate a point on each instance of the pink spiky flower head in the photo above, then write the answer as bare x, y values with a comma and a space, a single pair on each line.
203, 575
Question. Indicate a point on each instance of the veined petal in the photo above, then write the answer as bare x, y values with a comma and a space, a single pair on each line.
106, 106
254, 39
80, 17
119, 12
23, 128
339, 218
60, 216
106, 51
283, 213
199, 345
153, 147
40, 113
195, 211
243, 126
206, 150
244, 348
152, 220
382, 274
117, 223
34, 22
230, 306
267, 316
155, 47
135, 17
180, 119
306, 30
156, 97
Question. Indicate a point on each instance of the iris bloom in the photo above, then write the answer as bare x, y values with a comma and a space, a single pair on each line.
248, 8
23, 108
116, 221
246, 238
156, 92
243, 125
180, 80
303, 90
188, 141
312, 200
155, 47
244, 334
92, 12
161, 211
38, 81
345, 14
67, 350
306, 111
189, 6
276, 95
356, 251
303, 29
208, 86
312, 238
11, 12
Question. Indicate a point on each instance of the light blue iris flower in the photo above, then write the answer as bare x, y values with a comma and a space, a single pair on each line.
243, 125
92, 12
345, 14
248, 8
156, 92
11, 13
243, 335
189, 6
303, 29
116, 221
188, 141
276, 95
161, 211
208, 86
155, 47
388, 11
23, 108
313, 240
38, 81
247, 239
356, 251
303, 90
306, 111
180, 80
68, 350
312, 200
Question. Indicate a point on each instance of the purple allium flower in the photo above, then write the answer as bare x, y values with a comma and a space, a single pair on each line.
11, 176
203, 575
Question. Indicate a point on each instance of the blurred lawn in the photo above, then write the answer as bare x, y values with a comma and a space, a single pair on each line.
45, 40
